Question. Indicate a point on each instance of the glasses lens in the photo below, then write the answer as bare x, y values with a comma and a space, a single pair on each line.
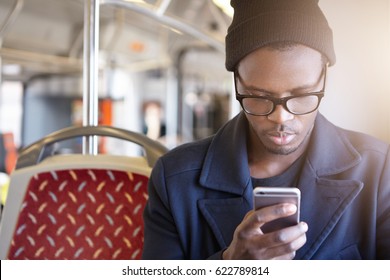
257, 106
302, 104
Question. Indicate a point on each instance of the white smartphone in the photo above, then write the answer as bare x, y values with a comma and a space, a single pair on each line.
267, 196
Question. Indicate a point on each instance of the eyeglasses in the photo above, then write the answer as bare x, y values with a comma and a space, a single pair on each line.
260, 105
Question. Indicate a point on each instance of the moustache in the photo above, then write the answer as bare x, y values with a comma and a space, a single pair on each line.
281, 130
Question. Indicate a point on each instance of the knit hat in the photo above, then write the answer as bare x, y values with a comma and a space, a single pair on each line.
257, 23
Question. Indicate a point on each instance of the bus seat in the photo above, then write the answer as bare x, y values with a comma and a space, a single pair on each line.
77, 206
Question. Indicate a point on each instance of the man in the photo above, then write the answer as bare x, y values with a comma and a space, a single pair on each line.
201, 194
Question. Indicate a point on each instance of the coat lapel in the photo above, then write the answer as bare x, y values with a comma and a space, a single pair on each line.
223, 216
225, 169
324, 197
323, 203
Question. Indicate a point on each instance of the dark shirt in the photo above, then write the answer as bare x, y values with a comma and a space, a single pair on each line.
289, 178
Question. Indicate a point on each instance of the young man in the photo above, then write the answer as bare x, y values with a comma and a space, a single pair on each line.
201, 194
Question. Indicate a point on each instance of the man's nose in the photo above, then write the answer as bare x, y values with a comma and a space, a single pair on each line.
280, 115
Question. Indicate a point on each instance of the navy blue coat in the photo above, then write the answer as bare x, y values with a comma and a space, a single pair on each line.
200, 192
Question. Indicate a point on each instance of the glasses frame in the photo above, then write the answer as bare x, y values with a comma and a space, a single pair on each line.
281, 101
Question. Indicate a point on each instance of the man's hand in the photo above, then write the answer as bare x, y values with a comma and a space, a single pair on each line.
249, 242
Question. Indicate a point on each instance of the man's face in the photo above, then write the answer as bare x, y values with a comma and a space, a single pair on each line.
281, 73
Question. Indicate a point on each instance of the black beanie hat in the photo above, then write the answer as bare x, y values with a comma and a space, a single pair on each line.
257, 23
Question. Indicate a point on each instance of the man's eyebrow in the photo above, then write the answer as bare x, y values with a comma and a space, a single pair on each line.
309, 86
299, 88
305, 87
250, 87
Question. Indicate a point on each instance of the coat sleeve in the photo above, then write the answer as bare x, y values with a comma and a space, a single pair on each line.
161, 240
383, 218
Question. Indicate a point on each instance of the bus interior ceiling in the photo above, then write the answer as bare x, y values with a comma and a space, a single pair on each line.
166, 53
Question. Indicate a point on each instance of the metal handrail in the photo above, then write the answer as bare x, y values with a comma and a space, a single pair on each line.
35, 152
150, 11
10, 19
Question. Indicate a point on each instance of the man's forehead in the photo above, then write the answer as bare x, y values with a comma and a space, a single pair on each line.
287, 56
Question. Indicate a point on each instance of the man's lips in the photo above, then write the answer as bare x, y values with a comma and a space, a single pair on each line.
281, 137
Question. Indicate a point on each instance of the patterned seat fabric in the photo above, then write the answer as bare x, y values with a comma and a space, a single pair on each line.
81, 214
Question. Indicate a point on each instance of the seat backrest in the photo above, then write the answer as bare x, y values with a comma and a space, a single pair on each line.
76, 207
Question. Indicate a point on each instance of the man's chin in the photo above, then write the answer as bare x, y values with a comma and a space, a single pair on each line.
282, 150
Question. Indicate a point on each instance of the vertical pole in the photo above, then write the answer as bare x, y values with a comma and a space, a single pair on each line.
1, 86
163, 6
90, 72
10, 19
171, 111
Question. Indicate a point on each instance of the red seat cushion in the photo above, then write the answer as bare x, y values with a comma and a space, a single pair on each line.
81, 214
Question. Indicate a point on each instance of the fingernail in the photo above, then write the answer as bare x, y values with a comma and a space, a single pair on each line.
291, 208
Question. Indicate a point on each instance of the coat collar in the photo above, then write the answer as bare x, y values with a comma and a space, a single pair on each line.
324, 200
